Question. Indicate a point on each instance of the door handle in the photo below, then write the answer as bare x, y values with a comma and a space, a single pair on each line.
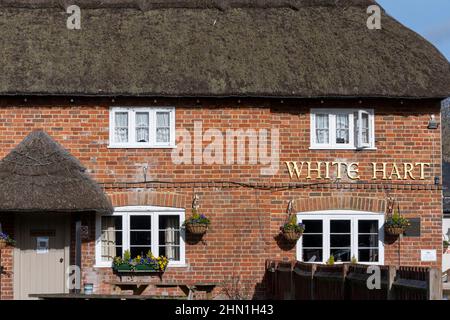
61, 260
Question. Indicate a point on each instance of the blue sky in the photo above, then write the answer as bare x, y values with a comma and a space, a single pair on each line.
430, 18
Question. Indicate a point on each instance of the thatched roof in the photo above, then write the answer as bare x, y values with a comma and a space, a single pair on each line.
258, 48
40, 176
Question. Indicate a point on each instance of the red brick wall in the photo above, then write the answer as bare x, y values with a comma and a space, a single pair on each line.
245, 221
6, 261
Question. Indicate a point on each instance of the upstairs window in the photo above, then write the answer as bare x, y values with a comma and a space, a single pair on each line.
142, 127
342, 129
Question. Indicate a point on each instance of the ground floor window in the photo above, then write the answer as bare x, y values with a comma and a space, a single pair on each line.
343, 235
139, 230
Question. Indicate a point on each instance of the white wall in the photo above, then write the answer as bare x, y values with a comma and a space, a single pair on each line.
446, 233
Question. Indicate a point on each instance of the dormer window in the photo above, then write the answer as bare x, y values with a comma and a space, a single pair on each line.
342, 129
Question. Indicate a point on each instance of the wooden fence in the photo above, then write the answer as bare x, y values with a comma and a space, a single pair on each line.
307, 281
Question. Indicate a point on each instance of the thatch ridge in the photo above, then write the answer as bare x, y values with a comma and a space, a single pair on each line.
39, 175
181, 4
248, 48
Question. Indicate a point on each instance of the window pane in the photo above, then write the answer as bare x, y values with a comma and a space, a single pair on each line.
313, 226
340, 240
312, 255
368, 240
139, 251
140, 238
340, 226
121, 127
111, 237
312, 241
169, 236
368, 255
322, 128
140, 235
342, 128
163, 127
341, 255
368, 226
142, 126
365, 128
140, 222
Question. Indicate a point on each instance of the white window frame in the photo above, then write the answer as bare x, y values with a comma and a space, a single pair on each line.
155, 212
132, 143
354, 141
354, 216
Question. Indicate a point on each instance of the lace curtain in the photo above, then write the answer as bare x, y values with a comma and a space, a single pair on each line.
342, 128
163, 127
121, 127
108, 239
171, 234
142, 130
322, 128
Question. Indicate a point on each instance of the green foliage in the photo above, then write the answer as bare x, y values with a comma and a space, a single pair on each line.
445, 243
397, 220
127, 255
197, 218
354, 260
292, 225
330, 260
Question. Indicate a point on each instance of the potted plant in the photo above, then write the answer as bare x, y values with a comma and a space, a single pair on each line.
292, 231
197, 223
6, 240
445, 244
149, 263
396, 224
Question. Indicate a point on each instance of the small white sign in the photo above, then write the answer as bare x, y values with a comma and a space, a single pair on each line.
428, 255
42, 245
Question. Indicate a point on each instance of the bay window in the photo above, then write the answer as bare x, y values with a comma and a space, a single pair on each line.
342, 129
140, 127
140, 230
343, 235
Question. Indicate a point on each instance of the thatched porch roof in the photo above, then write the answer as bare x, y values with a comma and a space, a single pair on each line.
215, 48
39, 175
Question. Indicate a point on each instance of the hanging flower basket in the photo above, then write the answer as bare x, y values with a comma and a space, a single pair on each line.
198, 223
292, 235
6, 240
394, 231
196, 228
396, 224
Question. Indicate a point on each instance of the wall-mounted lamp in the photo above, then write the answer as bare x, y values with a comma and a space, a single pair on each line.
436, 180
433, 124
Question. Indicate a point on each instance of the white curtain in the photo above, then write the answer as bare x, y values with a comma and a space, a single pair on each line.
162, 127
142, 126
322, 128
172, 249
121, 127
365, 128
342, 128
108, 239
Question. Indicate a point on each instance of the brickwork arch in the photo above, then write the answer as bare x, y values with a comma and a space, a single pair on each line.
147, 198
340, 203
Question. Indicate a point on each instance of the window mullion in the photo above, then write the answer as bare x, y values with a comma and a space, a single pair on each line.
155, 234
326, 239
332, 130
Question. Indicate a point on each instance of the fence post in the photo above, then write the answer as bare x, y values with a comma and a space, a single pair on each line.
392, 272
434, 284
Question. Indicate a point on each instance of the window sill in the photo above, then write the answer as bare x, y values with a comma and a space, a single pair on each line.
346, 148
183, 265
140, 147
